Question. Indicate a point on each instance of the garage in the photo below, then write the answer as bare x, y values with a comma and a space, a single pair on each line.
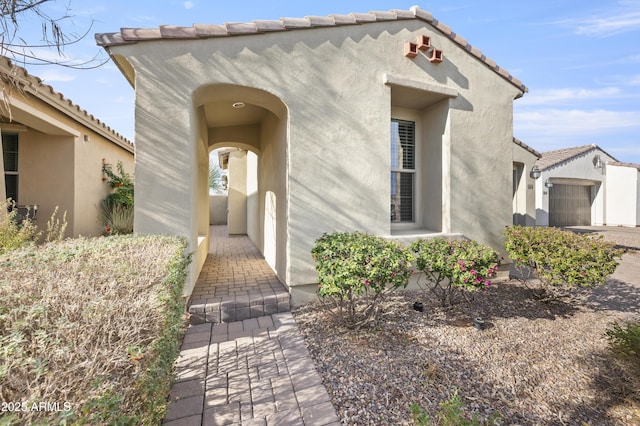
570, 205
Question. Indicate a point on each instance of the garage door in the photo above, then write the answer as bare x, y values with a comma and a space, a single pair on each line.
569, 205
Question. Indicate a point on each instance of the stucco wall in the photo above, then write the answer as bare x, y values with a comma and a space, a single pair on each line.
623, 196
237, 207
218, 209
89, 188
325, 166
46, 176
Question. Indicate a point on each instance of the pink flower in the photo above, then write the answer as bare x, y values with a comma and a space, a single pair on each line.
487, 283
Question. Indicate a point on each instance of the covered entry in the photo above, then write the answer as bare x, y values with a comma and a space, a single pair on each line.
570, 205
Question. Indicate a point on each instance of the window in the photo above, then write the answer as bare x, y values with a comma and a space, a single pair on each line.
403, 170
10, 156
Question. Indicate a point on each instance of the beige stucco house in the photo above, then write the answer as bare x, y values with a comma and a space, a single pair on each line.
383, 122
586, 186
53, 151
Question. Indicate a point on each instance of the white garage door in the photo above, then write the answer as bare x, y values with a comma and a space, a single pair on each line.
570, 205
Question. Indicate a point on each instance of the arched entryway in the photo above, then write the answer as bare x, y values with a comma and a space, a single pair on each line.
254, 123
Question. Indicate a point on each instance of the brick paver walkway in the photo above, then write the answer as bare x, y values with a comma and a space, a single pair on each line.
235, 283
256, 371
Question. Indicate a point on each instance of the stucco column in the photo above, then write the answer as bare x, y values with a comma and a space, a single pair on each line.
237, 202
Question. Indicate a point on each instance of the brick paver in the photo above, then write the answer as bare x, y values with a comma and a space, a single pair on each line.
254, 371
235, 283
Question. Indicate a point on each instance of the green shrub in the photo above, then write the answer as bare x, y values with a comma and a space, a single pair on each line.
452, 265
624, 340
561, 259
93, 324
452, 413
356, 271
121, 182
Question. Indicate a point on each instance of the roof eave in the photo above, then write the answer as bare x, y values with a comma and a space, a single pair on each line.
165, 32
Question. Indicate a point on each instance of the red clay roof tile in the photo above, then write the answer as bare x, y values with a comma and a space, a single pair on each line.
135, 35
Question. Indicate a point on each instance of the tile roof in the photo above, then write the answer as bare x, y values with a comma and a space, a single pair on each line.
200, 31
618, 163
553, 158
34, 86
527, 147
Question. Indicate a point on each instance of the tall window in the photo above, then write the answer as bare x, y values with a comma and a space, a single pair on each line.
10, 156
403, 170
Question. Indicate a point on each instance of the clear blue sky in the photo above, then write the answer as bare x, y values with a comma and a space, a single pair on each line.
579, 58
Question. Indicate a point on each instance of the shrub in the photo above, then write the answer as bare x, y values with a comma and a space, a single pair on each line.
117, 218
624, 340
452, 265
94, 325
452, 413
356, 271
122, 184
561, 260
15, 232
116, 210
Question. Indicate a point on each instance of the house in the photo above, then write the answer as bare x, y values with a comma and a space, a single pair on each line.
389, 123
586, 186
53, 151
524, 177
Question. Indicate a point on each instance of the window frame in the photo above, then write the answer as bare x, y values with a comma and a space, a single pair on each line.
403, 114
15, 172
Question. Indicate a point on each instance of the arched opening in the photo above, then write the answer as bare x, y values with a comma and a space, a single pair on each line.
249, 126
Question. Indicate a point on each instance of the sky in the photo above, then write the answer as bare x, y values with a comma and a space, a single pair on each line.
580, 59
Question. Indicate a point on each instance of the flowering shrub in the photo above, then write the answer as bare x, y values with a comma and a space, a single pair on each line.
452, 265
357, 269
116, 212
561, 259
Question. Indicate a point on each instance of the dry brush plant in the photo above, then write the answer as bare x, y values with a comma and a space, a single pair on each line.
93, 325
16, 232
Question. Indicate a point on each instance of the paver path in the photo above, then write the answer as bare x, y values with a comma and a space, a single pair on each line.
256, 371
235, 283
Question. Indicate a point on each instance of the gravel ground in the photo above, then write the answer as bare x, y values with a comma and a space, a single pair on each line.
534, 363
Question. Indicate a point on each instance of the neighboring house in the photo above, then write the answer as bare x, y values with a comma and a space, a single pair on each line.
384, 122
524, 194
53, 151
572, 186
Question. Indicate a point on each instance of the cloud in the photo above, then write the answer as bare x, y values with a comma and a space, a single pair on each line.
548, 129
568, 95
563, 124
189, 5
606, 26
